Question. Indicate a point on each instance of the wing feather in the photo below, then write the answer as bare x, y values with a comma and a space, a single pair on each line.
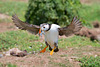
74, 26
25, 26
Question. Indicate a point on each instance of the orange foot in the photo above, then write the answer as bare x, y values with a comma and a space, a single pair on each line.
51, 53
42, 51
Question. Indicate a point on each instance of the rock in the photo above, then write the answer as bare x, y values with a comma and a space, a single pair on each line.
93, 34
30, 47
16, 52
74, 57
33, 52
96, 24
95, 55
1, 55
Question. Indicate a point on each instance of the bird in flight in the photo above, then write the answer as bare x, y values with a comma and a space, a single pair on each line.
51, 31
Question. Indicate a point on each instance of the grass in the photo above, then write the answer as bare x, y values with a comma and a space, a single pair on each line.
19, 39
23, 40
7, 65
90, 61
77, 41
12, 7
90, 13
5, 20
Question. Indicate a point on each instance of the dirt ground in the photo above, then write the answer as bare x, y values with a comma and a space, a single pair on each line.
4, 27
64, 58
89, 1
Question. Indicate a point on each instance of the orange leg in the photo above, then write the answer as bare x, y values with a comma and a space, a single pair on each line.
42, 51
52, 50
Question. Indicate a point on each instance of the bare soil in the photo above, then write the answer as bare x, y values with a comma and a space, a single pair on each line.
65, 57
89, 1
3, 16
4, 27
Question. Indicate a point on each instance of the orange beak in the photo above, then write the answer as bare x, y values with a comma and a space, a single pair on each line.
39, 31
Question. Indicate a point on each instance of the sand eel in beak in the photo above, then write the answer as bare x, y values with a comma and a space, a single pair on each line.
51, 31
40, 32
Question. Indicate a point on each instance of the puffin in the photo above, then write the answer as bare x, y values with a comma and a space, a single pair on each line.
51, 31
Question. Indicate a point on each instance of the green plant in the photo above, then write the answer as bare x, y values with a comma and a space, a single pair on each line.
7, 65
23, 40
76, 41
19, 39
89, 13
12, 7
90, 61
52, 11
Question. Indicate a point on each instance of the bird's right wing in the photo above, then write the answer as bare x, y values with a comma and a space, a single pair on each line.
74, 26
34, 29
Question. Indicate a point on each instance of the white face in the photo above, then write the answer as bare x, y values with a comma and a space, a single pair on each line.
44, 27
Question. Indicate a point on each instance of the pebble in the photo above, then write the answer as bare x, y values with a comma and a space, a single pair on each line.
1, 55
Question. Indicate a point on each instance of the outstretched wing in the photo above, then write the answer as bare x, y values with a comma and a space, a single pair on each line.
34, 29
74, 26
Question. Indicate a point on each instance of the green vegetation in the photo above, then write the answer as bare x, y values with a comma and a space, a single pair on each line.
90, 13
52, 11
11, 7
5, 20
77, 41
7, 65
90, 61
23, 40
20, 39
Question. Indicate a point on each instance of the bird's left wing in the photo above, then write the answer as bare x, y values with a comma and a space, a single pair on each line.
34, 29
74, 26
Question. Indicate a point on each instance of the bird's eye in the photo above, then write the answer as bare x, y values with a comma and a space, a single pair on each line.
43, 27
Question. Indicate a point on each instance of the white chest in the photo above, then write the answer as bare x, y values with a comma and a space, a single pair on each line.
52, 36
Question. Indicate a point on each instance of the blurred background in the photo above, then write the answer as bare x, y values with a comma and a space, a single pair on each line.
59, 12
